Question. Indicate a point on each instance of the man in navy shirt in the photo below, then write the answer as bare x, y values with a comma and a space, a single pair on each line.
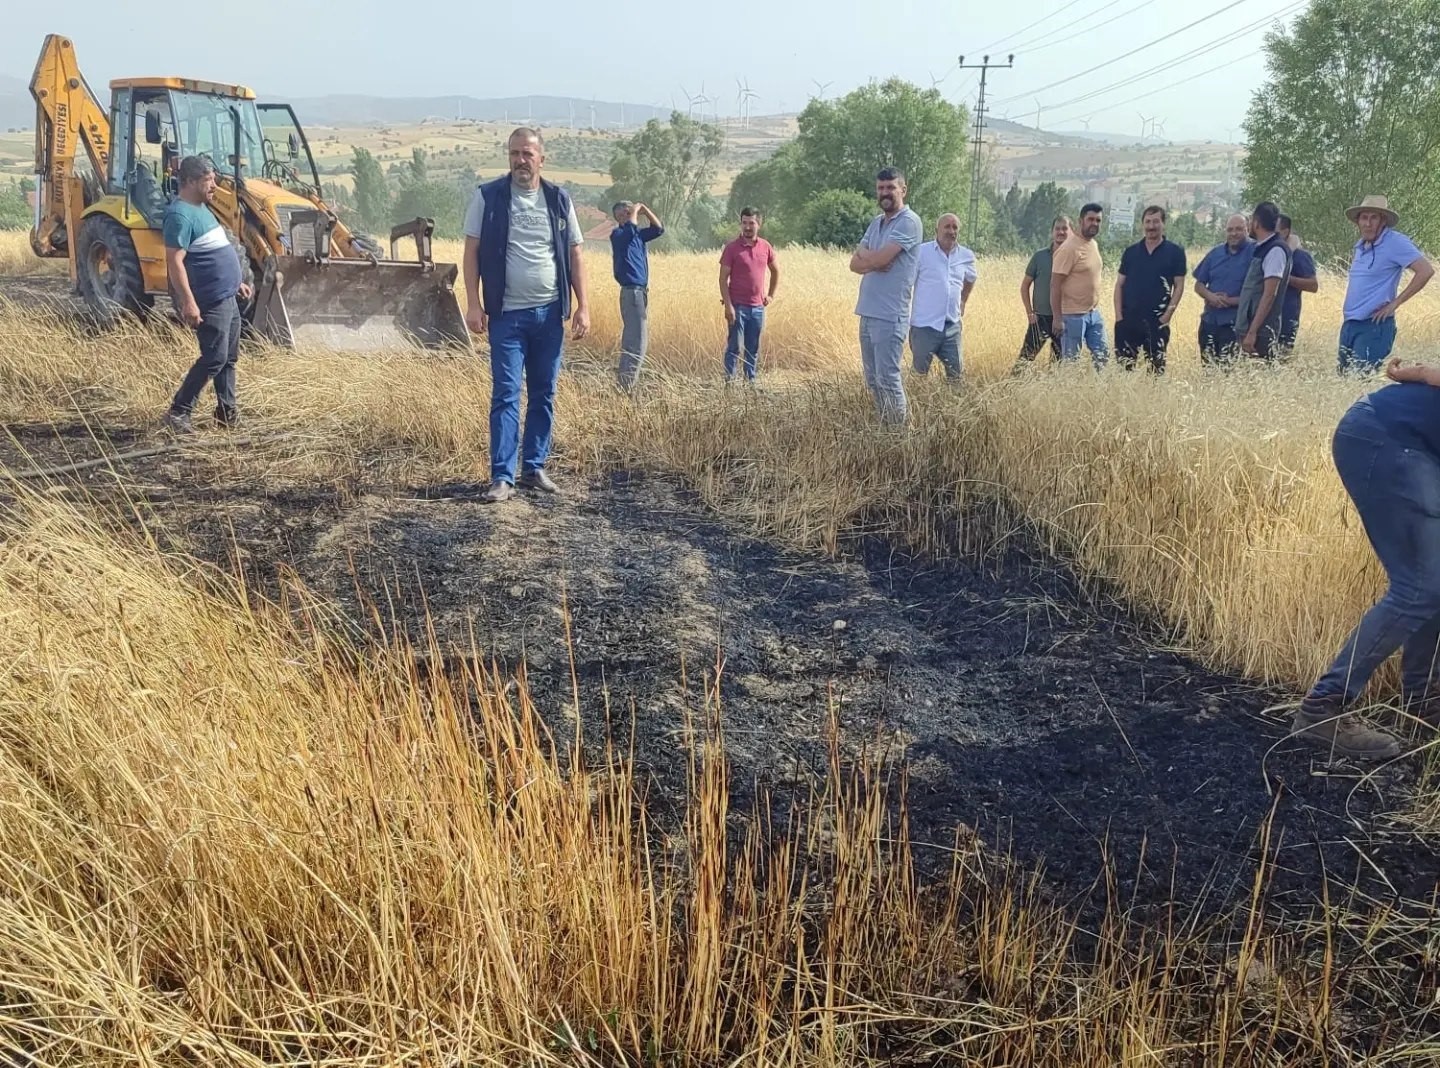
1148, 286
632, 271
1303, 279
1387, 453
1218, 280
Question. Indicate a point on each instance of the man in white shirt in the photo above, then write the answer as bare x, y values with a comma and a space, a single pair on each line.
944, 276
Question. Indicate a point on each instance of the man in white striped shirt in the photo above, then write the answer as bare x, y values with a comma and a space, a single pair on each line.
944, 276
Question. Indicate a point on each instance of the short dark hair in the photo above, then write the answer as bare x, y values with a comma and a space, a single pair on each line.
1284, 221
1155, 209
747, 213
1267, 214
1092, 206
193, 168
889, 174
620, 204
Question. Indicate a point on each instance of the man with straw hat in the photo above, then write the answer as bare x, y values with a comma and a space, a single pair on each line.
1381, 256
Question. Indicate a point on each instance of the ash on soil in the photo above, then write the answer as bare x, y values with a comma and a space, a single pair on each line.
1031, 714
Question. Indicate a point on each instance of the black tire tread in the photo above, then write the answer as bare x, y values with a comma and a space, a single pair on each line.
124, 262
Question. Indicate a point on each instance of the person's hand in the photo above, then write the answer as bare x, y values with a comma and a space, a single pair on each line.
1387, 312
1057, 327
245, 291
1215, 300
730, 314
1033, 318
477, 320
1165, 319
1251, 341
190, 313
1397, 372
580, 322
766, 302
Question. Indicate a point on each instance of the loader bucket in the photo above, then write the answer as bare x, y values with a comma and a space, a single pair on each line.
359, 304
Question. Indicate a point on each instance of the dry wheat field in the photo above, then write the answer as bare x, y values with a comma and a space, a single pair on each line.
780, 738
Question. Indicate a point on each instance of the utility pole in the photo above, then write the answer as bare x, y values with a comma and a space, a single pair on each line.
984, 67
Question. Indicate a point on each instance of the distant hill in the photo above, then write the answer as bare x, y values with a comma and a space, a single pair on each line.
551, 111
17, 106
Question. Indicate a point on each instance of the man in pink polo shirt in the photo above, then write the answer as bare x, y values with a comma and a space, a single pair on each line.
743, 263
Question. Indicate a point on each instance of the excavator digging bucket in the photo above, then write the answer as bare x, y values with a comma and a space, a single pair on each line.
360, 304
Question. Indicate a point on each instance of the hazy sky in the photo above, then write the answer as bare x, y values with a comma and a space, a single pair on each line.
645, 52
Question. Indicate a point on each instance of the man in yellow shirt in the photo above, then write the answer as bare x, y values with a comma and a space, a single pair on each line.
1075, 290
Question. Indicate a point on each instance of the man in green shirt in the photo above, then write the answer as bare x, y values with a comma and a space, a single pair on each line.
1035, 295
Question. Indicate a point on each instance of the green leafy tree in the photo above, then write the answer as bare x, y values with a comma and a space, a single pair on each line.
1046, 201
15, 212
668, 167
372, 191
1351, 106
770, 187
423, 196
836, 218
843, 142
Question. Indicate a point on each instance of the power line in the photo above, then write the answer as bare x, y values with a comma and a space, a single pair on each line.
1169, 85
1050, 40
1026, 29
1170, 64
1126, 55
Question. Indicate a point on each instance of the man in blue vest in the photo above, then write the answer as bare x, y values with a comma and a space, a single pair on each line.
1258, 315
522, 262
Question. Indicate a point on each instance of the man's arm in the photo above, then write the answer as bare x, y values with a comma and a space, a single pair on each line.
1267, 300
1415, 372
185, 305
1421, 273
725, 290
1119, 293
655, 223
581, 315
965, 290
475, 317
774, 278
866, 260
1026, 284
1057, 281
1177, 290
1305, 285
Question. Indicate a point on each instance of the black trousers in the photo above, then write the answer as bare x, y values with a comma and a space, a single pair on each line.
1036, 334
219, 338
1134, 335
1218, 344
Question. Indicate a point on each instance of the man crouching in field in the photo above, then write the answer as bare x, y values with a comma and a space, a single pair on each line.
205, 276
1387, 452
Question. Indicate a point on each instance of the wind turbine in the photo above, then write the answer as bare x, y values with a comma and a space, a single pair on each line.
743, 95
1038, 107
1157, 128
1145, 121
592, 116
572, 114
690, 99
821, 86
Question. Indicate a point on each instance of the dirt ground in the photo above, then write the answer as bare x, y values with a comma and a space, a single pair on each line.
1046, 723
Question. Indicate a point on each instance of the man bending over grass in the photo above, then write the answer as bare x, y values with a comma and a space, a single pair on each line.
1387, 452
205, 277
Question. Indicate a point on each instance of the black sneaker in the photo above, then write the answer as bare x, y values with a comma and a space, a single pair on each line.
499, 490
226, 417
177, 423
538, 479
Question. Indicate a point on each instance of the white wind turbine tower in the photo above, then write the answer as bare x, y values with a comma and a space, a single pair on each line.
743, 95
1157, 129
1145, 121
1038, 107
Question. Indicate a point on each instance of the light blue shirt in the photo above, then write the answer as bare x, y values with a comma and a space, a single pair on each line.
1375, 273
940, 279
886, 294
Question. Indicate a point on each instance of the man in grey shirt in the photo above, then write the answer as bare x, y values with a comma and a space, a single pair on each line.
886, 260
522, 261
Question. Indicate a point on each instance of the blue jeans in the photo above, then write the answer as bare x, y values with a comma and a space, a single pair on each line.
749, 321
928, 344
1090, 329
1364, 343
528, 342
882, 344
1396, 490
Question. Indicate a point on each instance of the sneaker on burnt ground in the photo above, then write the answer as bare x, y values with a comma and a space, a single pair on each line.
538, 479
499, 490
177, 423
1323, 721
226, 417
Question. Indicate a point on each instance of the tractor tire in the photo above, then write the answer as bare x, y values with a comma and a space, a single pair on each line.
108, 270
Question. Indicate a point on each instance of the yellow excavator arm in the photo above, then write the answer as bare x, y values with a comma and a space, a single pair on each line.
68, 118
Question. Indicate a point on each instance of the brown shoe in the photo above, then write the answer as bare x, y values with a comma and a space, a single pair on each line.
499, 490
1322, 721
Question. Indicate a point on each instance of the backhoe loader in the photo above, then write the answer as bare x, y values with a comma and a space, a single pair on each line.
103, 183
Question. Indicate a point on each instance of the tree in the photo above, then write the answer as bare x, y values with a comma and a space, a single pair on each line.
770, 188
15, 212
1046, 201
372, 191
421, 196
842, 143
1351, 106
669, 167
837, 218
